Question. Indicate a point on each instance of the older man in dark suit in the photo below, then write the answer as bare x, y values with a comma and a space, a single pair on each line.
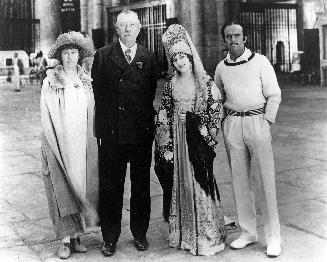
124, 84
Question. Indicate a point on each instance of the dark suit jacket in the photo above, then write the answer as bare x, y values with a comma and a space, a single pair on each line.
124, 94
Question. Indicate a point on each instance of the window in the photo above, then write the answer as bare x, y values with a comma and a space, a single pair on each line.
9, 62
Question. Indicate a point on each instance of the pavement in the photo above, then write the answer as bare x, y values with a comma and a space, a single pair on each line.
300, 148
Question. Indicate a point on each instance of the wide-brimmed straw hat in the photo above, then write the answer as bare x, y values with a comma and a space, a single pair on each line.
84, 44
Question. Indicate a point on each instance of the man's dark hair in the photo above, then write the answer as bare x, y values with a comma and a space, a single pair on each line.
39, 54
232, 23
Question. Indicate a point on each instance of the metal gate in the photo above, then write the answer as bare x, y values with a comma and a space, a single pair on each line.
272, 31
18, 28
153, 20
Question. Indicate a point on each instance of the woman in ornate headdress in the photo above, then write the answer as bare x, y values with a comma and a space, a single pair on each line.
69, 150
187, 126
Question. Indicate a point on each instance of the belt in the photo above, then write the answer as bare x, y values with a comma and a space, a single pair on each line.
247, 113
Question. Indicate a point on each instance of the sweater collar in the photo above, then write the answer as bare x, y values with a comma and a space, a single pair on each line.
245, 57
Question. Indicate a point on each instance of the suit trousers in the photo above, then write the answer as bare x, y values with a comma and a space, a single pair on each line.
113, 159
250, 156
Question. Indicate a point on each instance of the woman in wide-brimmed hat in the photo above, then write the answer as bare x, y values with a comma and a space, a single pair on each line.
69, 151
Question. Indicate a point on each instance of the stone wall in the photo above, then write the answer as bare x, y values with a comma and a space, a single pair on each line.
203, 20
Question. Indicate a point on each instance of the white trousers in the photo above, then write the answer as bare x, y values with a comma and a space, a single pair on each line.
250, 156
17, 81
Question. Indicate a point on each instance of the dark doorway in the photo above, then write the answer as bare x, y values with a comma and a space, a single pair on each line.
311, 56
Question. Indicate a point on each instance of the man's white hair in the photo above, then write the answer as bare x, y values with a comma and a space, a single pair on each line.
123, 13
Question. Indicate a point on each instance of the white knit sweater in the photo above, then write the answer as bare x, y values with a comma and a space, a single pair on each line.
250, 85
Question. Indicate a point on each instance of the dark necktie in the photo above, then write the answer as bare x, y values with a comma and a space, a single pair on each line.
128, 55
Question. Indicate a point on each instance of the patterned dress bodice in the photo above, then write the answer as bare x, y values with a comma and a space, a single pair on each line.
184, 98
177, 99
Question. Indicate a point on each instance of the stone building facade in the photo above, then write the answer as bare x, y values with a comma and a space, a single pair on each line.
203, 20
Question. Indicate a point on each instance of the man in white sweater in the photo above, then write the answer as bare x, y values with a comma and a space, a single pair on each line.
251, 95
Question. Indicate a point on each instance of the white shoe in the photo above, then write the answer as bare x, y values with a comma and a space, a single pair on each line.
243, 241
273, 250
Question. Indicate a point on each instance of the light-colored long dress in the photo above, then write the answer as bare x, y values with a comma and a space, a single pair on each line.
196, 221
16, 74
76, 128
69, 151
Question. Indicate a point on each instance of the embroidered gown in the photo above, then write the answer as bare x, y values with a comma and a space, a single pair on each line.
196, 221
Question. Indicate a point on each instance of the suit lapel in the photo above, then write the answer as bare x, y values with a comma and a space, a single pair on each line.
121, 65
118, 58
138, 58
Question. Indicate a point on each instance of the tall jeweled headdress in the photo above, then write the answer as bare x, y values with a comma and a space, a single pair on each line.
176, 39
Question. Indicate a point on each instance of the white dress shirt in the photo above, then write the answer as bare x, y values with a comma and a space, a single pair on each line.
133, 49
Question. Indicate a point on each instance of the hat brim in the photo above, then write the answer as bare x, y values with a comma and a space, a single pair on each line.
83, 44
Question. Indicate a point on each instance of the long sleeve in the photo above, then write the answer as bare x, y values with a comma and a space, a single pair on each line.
211, 118
45, 119
220, 85
270, 89
163, 136
96, 75
153, 84
45, 168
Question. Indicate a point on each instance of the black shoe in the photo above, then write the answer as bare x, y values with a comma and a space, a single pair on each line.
108, 249
141, 244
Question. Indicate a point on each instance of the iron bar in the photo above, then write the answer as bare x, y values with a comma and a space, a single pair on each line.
267, 24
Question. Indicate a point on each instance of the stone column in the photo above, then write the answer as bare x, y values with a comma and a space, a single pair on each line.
115, 3
221, 20
190, 14
211, 38
48, 11
98, 14
233, 10
300, 23
84, 16
171, 8
98, 33
309, 15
